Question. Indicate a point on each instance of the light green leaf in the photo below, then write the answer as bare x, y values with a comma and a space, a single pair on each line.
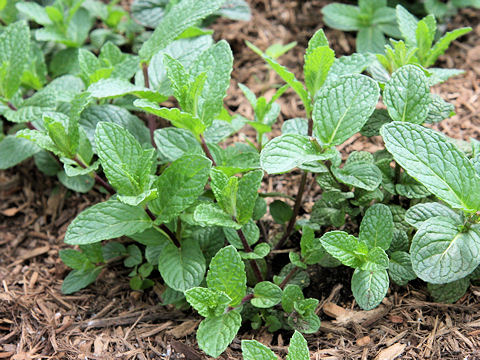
14, 150
79, 183
216, 62
376, 228
349, 65
370, 40
250, 230
442, 45
125, 163
377, 260
289, 151
266, 295
298, 126
343, 247
407, 24
174, 143
361, 175
247, 194
342, 107
209, 214
14, 53
106, 220
260, 251
440, 253
369, 287
75, 259
253, 350
113, 88
317, 65
439, 110
180, 185
400, 268
407, 95
225, 327
418, 214
227, 274
291, 294
182, 268
207, 302
79, 279
435, 162
342, 17
175, 116
298, 348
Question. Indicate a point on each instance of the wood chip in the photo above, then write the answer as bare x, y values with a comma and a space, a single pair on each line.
391, 352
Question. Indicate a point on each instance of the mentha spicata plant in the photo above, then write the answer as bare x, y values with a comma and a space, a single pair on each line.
186, 208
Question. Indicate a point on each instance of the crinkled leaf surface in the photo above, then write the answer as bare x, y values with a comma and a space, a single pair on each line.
227, 274
342, 107
14, 150
253, 350
106, 220
418, 214
212, 215
266, 295
342, 246
376, 228
400, 268
407, 95
369, 287
216, 333
435, 162
298, 348
450, 292
441, 253
361, 175
182, 268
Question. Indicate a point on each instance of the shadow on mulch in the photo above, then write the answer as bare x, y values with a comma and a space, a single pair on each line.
110, 321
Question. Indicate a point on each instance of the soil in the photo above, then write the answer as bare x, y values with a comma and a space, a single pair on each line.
109, 321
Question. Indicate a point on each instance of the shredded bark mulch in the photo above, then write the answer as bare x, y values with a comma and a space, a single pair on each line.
109, 321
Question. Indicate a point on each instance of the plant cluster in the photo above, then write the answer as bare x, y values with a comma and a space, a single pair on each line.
178, 194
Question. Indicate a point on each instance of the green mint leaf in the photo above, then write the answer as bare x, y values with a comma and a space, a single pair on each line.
449, 293
435, 162
439, 110
14, 150
375, 122
260, 208
407, 23
407, 95
359, 174
207, 302
182, 268
209, 214
286, 76
112, 250
142, 198
281, 212
174, 143
180, 185
376, 228
34, 12
343, 247
113, 88
400, 268
225, 190
298, 126
441, 254
295, 260
298, 348
247, 194
348, 65
79, 183
75, 259
289, 151
253, 350
227, 274
418, 214
311, 248
400, 241
342, 107
178, 118
79, 279
106, 220
216, 62
225, 327
442, 45
14, 52
266, 295
370, 40
342, 17
425, 34
260, 251
291, 294
411, 188
377, 259
317, 65
181, 16
369, 287
125, 163
134, 256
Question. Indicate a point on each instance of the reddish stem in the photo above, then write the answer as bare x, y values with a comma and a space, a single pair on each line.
288, 278
206, 150
152, 124
245, 299
165, 229
247, 248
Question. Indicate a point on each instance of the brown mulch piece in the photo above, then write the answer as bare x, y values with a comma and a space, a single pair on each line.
109, 321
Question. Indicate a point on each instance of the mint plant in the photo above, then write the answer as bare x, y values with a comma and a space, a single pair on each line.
298, 349
175, 196
372, 19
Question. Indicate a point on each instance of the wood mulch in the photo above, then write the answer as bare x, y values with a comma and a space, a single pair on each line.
109, 321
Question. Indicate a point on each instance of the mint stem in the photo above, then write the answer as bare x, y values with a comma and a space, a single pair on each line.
206, 150
98, 179
247, 248
165, 229
245, 299
288, 278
